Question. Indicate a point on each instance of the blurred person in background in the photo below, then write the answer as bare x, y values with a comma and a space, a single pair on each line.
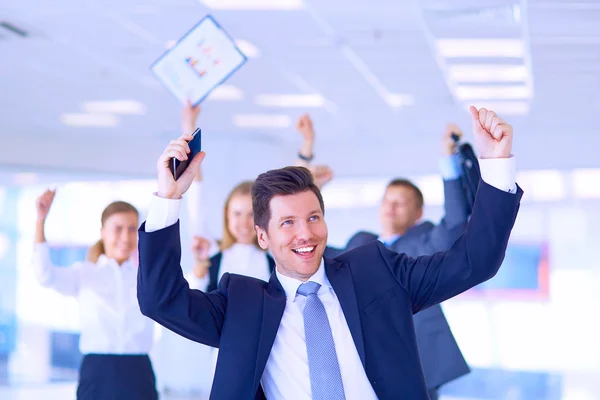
115, 336
403, 231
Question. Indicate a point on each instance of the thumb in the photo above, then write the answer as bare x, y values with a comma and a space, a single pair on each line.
477, 127
192, 168
475, 116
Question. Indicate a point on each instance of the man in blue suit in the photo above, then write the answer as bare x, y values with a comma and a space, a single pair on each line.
399, 214
321, 329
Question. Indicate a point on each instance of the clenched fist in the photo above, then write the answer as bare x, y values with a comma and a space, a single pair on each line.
493, 136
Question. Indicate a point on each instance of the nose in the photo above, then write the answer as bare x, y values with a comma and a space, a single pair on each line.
303, 232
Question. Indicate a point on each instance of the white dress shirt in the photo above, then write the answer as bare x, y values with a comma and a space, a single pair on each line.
286, 374
111, 321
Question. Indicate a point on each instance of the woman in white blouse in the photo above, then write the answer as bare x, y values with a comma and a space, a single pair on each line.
115, 336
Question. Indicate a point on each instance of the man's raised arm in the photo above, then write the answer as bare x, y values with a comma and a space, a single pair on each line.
163, 293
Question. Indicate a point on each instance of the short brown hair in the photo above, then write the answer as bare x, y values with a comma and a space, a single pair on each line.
401, 182
284, 181
242, 189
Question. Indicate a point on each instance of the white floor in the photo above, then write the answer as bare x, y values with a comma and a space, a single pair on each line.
66, 391
58, 391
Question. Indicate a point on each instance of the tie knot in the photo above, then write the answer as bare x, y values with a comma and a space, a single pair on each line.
308, 288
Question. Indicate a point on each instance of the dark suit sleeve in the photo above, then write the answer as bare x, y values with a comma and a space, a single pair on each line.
357, 240
454, 222
332, 252
474, 258
164, 294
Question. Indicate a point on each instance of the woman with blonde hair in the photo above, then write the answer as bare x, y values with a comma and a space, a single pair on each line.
115, 336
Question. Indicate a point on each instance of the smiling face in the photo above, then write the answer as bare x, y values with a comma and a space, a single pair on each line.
119, 235
399, 210
296, 234
240, 219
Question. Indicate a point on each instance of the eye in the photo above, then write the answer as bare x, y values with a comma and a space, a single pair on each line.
286, 222
314, 218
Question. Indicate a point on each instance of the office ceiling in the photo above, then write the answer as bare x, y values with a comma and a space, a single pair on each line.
380, 78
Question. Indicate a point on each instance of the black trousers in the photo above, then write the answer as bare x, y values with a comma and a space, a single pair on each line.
116, 377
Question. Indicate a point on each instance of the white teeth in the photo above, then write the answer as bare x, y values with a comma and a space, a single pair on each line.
304, 249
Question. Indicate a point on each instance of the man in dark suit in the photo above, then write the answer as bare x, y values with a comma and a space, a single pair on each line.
399, 214
320, 329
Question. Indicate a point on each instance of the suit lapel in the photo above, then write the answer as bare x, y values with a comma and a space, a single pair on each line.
341, 280
273, 307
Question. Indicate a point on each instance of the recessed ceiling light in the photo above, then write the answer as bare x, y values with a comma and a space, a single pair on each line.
250, 50
452, 48
114, 107
253, 4
290, 100
468, 92
261, 121
226, 93
504, 107
487, 73
92, 120
400, 100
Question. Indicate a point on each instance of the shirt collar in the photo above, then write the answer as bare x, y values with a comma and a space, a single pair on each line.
290, 285
389, 240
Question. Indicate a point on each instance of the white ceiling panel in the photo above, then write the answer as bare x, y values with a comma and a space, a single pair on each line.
354, 53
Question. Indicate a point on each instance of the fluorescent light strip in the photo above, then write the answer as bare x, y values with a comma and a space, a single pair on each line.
261, 121
398, 100
470, 92
90, 120
454, 48
487, 73
290, 100
253, 4
131, 107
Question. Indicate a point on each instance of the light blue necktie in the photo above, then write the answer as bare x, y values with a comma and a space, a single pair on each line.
325, 377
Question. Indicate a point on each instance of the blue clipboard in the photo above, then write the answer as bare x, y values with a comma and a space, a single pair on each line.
205, 57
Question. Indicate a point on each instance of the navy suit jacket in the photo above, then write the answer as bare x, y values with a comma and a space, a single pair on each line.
441, 358
379, 291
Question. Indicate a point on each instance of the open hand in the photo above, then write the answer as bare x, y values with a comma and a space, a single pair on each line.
200, 248
43, 204
322, 174
305, 127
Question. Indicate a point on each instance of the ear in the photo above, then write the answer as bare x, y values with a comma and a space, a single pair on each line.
262, 237
420, 213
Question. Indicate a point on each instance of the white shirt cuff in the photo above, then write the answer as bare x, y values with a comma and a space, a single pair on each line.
500, 173
162, 213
